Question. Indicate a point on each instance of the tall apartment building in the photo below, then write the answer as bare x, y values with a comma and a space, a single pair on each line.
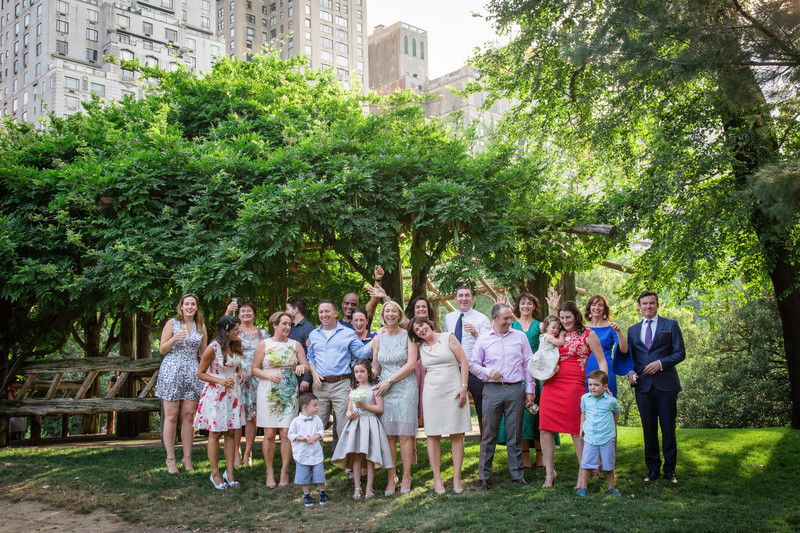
398, 58
329, 33
52, 51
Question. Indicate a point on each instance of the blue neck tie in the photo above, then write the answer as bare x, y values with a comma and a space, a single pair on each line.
459, 327
648, 335
309, 418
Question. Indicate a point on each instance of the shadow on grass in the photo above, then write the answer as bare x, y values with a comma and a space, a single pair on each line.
730, 480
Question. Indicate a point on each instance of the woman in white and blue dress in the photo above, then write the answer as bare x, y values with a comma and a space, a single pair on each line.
394, 357
183, 338
250, 336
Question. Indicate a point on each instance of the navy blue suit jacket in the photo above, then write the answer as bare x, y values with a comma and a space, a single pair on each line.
667, 347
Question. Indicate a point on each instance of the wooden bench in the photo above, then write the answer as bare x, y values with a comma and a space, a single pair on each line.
68, 397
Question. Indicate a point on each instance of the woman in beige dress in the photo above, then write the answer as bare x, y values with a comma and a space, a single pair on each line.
444, 396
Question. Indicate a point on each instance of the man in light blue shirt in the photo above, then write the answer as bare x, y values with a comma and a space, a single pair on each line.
329, 354
599, 415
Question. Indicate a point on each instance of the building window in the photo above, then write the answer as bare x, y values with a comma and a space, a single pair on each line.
62, 47
25, 79
62, 26
98, 88
251, 32
123, 21
232, 5
341, 47
91, 54
272, 21
326, 29
191, 44
422, 50
405, 44
360, 65
205, 22
126, 55
62, 7
38, 69
325, 42
70, 102
206, 5
342, 60
272, 7
273, 34
39, 10
125, 39
221, 13
39, 29
325, 55
27, 20
290, 11
413, 48
71, 83
341, 21
264, 10
341, 34
326, 3
92, 16
128, 94
26, 39
91, 34
251, 18
214, 50
171, 35
220, 26
308, 50
147, 45
327, 17
147, 28
151, 61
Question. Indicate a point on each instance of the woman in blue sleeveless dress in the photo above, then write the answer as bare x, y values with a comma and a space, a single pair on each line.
612, 339
394, 357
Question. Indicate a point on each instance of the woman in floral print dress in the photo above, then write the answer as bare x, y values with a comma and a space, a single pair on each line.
275, 364
220, 407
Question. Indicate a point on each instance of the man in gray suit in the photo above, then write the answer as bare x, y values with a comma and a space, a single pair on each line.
656, 345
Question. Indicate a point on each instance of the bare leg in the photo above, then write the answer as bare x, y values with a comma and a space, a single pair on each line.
229, 449
392, 479
577, 441
188, 409
526, 453
168, 429
370, 474
286, 456
250, 430
357, 475
611, 479
407, 456
583, 478
237, 437
435, 460
268, 447
548, 440
213, 456
457, 451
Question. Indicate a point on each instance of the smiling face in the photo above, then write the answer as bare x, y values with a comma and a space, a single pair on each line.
567, 320
503, 320
526, 307
390, 315
423, 331
648, 305
247, 315
327, 315
421, 308
464, 300
597, 309
283, 327
189, 306
349, 304
359, 322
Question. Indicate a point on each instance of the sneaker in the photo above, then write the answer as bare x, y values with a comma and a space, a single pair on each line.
323, 497
308, 501
613, 492
581, 492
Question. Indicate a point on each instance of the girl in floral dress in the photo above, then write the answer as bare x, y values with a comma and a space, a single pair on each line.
275, 364
220, 408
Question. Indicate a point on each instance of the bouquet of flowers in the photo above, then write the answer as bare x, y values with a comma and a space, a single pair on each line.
358, 395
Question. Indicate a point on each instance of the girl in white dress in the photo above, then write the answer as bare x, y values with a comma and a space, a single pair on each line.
220, 408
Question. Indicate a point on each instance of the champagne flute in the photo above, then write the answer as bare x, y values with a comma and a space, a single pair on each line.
184, 329
235, 301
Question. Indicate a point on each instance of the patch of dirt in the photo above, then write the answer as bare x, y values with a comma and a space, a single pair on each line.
30, 517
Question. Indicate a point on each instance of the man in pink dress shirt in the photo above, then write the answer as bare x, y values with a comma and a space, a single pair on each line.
500, 359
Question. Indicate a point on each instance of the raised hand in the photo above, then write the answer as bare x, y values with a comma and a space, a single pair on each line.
553, 299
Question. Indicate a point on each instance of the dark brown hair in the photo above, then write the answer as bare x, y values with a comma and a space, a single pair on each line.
366, 363
571, 307
523, 295
598, 375
417, 320
644, 294
225, 324
413, 303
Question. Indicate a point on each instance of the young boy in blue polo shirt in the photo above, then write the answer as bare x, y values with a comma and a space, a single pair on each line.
599, 415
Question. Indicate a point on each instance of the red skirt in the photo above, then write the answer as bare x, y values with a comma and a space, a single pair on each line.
560, 405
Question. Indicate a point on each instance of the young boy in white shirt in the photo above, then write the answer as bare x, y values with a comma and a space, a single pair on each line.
305, 434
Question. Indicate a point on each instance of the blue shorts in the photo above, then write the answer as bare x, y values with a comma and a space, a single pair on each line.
592, 452
307, 474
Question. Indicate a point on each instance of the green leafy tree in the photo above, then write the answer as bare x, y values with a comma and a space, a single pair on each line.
677, 116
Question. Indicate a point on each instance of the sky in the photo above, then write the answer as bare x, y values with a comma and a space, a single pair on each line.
453, 32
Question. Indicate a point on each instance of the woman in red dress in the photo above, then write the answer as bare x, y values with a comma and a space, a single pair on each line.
560, 405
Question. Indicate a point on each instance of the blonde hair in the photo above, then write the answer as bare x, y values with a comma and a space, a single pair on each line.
391, 303
198, 316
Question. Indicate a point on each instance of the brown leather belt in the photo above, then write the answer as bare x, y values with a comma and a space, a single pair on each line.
335, 379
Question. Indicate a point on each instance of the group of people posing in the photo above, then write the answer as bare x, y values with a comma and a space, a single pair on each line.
379, 385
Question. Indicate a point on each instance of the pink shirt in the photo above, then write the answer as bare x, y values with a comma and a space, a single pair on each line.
508, 354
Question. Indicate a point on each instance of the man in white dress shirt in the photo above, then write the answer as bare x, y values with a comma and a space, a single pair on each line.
467, 324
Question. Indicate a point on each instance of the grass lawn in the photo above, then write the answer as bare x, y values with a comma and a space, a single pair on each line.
729, 480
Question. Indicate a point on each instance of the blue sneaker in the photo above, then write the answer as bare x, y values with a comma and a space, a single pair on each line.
308, 501
323, 497
581, 492
613, 492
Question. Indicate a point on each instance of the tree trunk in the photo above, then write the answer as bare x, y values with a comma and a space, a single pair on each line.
92, 330
566, 287
784, 277
538, 286
393, 277
144, 350
127, 423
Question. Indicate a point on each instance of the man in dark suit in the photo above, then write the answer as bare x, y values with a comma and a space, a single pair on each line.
656, 345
